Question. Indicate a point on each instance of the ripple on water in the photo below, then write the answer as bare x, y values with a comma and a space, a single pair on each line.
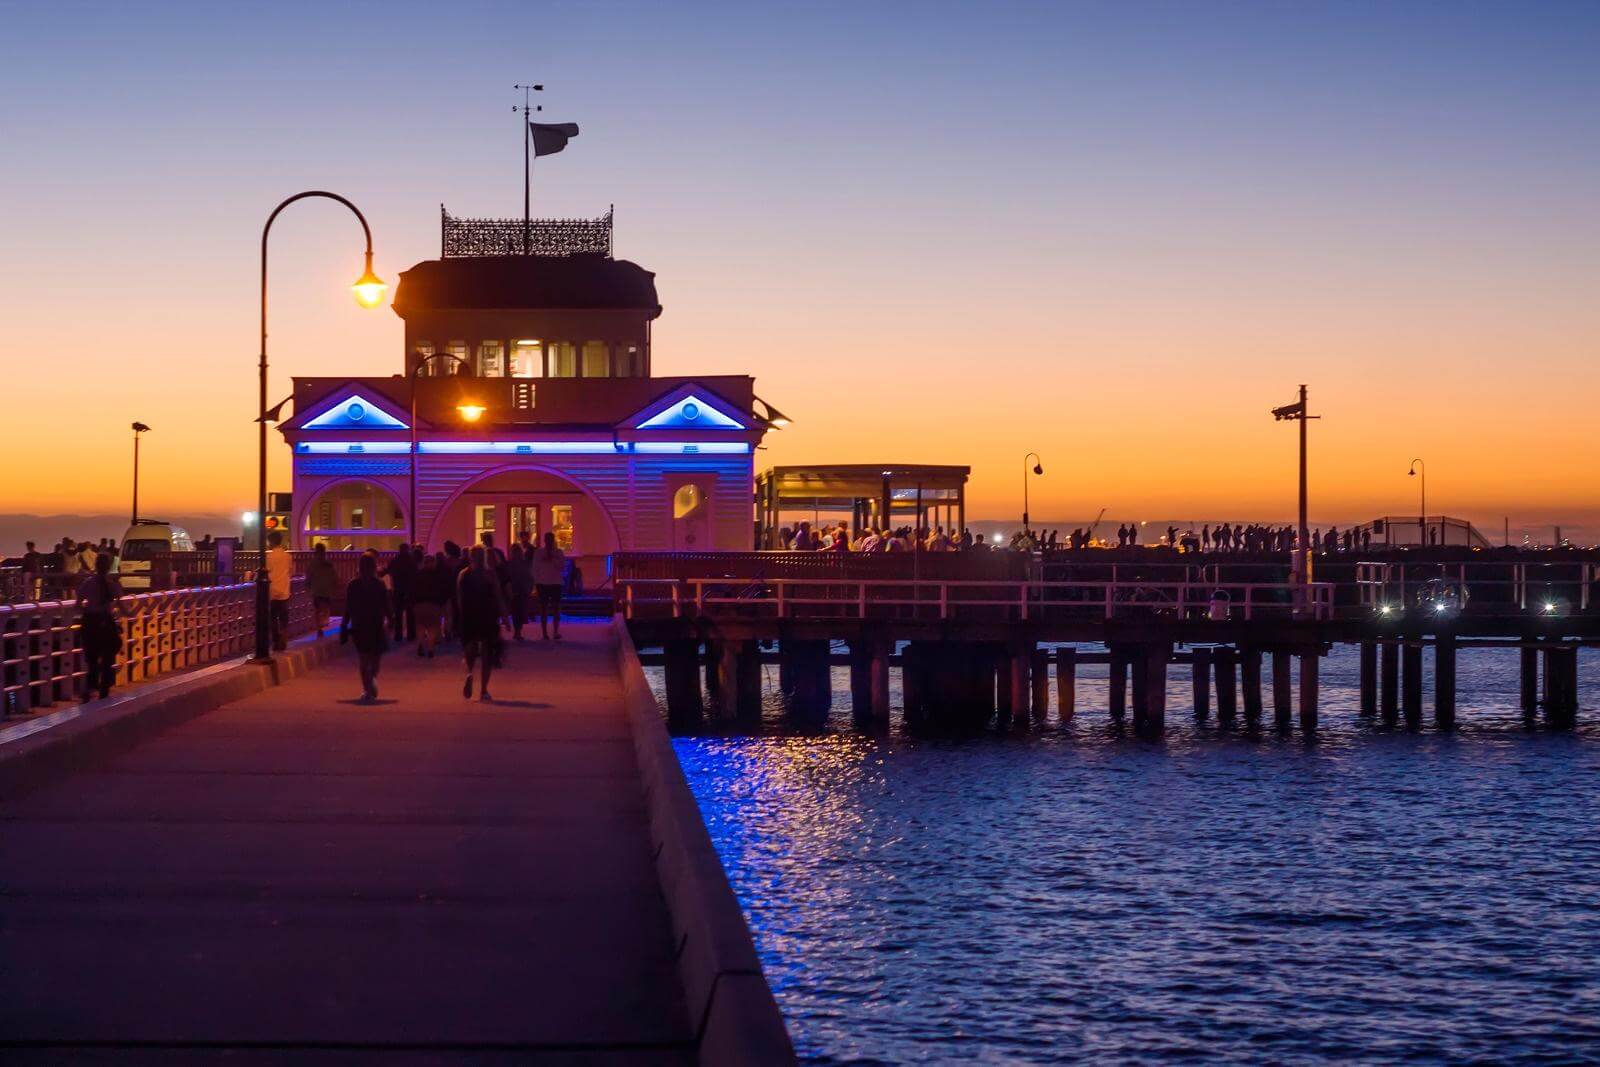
1074, 894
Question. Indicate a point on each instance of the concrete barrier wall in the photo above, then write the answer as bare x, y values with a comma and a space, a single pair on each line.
731, 1006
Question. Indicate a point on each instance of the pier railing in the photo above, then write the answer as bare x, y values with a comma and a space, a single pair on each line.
1508, 587
41, 653
987, 601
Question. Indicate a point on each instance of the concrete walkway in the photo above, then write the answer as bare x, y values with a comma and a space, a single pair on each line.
429, 876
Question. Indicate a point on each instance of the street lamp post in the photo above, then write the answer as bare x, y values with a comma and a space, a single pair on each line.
1038, 468
416, 369
1300, 561
138, 428
1422, 518
369, 290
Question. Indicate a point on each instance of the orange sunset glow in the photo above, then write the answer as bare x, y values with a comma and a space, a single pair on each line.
1122, 271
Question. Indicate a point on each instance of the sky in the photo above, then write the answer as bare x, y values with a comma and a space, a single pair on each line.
1114, 234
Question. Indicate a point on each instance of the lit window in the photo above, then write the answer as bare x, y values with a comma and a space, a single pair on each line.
358, 518
561, 526
458, 349
563, 359
482, 522
527, 359
596, 359
422, 351
490, 356
687, 500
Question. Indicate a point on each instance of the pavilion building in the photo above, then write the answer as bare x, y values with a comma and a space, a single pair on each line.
526, 402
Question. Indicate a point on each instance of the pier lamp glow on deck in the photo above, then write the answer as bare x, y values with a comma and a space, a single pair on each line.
369, 288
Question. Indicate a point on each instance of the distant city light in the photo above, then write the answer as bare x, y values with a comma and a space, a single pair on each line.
999, 539
249, 518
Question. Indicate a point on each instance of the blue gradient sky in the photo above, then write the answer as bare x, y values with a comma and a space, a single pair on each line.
1113, 233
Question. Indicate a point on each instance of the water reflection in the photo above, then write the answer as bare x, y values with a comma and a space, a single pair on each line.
1072, 893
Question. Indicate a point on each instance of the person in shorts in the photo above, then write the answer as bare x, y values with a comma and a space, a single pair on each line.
549, 571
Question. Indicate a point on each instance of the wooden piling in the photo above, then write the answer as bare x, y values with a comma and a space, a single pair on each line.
879, 669
1309, 663
1200, 669
1411, 683
1250, 682
1020, 660
1444, 682
1039, 669
1369, 678
1066, 683
1389, 671
681, 667
1003, 680
1530, 679
1560, 684
1150, 714
1227, 693
1117, 684
1282, 688
912, 687
1140, 675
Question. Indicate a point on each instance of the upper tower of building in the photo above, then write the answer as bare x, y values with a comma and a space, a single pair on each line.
541, 299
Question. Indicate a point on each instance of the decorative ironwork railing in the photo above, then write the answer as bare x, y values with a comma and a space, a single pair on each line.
513, 237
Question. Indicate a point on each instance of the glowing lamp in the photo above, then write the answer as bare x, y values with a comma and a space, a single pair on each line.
248, 518
471, 412
1549, 609
369, 288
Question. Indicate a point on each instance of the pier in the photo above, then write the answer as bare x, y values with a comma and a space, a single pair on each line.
983, 648
294, 873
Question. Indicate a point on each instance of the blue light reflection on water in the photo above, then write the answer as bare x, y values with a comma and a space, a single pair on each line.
1073, 893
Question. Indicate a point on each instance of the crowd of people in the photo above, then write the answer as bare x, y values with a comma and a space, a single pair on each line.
1251, 538
430, 599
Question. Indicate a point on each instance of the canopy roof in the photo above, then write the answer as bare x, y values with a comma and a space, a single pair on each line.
578, 282
840, 485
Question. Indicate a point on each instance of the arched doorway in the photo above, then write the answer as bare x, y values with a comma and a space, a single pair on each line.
353, 515
534, 500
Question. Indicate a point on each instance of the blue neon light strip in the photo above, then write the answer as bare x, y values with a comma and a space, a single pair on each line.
525, 448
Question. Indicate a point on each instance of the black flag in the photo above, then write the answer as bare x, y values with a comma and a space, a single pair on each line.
551, 137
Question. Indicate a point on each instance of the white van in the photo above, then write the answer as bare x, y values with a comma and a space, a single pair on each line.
144, 540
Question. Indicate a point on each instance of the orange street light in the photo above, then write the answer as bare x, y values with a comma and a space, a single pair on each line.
471, 412
369, 288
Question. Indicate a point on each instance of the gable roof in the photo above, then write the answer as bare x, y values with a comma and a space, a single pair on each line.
688, 407
351, 407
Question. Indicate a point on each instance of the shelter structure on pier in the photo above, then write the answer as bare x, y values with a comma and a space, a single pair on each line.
525, 403
871, 494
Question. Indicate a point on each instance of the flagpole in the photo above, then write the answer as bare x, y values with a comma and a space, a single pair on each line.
527, 162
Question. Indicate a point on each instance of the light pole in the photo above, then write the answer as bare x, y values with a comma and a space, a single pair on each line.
1300, 559
1422, 519
1038, 468
138, 428
369, 290
470, 412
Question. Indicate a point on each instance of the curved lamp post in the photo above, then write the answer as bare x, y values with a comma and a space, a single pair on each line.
1422, 519
369, 290
469, 411
1038, 468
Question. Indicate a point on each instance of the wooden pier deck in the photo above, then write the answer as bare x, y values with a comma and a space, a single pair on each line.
295, 874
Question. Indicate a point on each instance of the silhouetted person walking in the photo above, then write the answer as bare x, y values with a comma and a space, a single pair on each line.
102, 633
479, 609
366, 613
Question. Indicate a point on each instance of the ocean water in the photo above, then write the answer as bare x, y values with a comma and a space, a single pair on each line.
1072, 893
